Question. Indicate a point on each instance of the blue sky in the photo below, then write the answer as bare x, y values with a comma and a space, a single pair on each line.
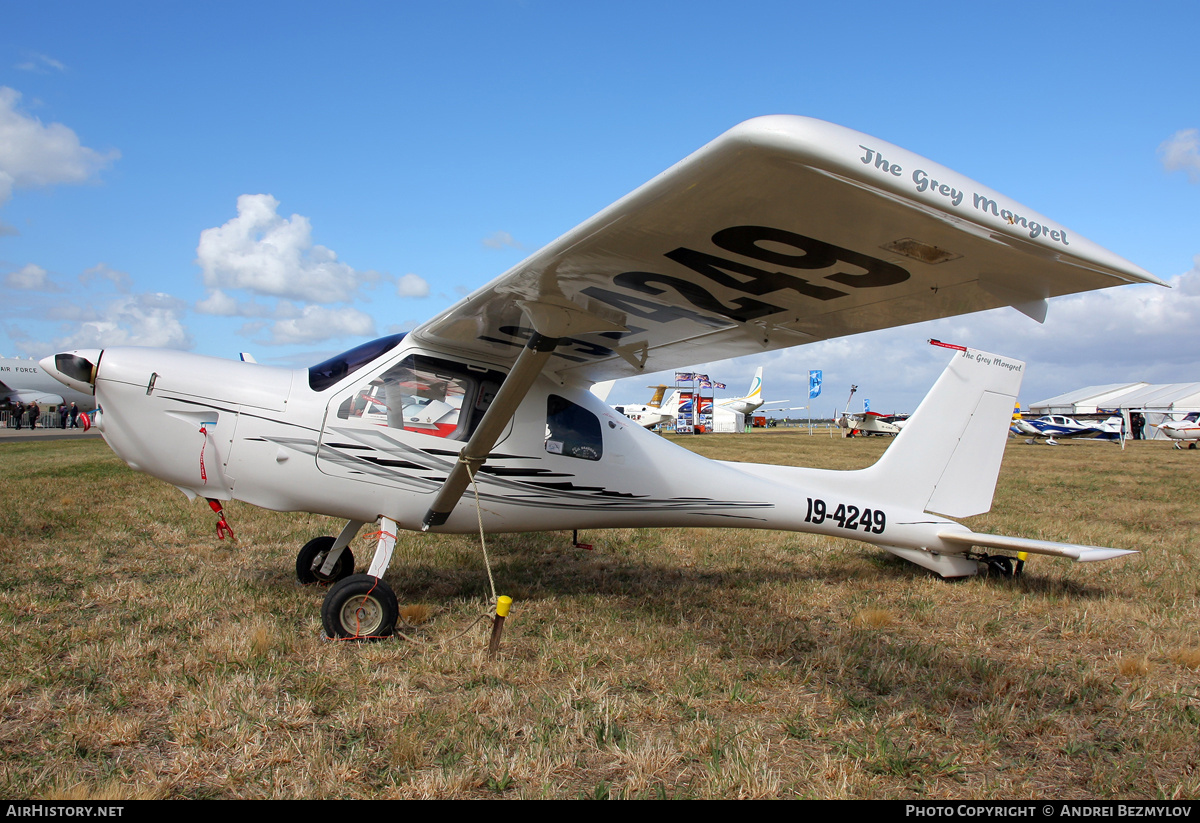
291, 178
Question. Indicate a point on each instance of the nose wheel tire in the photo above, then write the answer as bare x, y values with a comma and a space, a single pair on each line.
360, 607
312, 557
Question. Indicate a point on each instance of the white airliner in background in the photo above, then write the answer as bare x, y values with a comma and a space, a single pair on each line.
656, 411
650, 414
752, 399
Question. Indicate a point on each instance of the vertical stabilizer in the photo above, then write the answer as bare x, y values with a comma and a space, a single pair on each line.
671, 407
755, 392
947, 458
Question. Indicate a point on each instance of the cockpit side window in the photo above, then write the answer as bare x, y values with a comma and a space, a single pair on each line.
572, 430
425, 395
325, 374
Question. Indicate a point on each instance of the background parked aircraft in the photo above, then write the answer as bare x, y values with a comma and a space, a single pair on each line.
1055, 427
868, 423
649, 415
1182, 430
25, 381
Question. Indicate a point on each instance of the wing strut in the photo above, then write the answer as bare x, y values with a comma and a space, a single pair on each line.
528, 366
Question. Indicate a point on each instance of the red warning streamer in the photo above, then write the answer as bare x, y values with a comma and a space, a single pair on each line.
935, 342
203, 474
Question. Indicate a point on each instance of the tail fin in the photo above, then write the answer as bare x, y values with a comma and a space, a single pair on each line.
672, 404
947, 457
603, 389
755, 392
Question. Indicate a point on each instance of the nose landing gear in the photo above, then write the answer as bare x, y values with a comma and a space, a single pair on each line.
326, 559
311, 559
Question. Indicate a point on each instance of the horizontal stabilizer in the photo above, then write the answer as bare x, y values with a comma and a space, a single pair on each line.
1075, 551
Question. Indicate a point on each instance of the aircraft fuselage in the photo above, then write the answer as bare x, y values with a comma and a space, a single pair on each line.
230, 430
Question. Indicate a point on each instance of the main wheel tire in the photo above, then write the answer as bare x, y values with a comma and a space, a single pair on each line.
312, 557
361, 607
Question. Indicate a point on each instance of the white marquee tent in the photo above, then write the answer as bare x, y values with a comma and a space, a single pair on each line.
1157, 402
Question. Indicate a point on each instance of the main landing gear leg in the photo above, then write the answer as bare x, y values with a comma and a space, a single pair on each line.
362, 606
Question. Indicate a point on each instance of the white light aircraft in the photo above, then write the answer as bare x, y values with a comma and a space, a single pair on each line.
1188, 428
868, 423
27, 381
782, 231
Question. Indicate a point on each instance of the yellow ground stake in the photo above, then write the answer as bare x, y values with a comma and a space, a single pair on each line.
502, 605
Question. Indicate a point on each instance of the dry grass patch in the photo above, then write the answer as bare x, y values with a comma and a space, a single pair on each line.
146, 659
872, 619
1133, 666
1187, 657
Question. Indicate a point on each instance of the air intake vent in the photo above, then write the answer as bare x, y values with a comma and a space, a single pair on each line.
925, 253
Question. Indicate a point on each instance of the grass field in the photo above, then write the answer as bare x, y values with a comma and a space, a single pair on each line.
146, 659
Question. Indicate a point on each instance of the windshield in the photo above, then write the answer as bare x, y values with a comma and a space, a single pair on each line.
325, 374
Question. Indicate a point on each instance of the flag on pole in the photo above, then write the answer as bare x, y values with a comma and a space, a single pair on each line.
814, 384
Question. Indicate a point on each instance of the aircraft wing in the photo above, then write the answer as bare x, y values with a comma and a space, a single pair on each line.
1075, 435
784, 230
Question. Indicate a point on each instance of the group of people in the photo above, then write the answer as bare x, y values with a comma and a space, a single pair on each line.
68, 416
1137, 422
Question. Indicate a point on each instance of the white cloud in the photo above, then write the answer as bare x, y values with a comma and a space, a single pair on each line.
102, 271
412, 285
41, 64
130, 320
33, 154
30, 278
218, 303
500, 240
223, 305
1181, 152
267, 255
1118, 335
320, 323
